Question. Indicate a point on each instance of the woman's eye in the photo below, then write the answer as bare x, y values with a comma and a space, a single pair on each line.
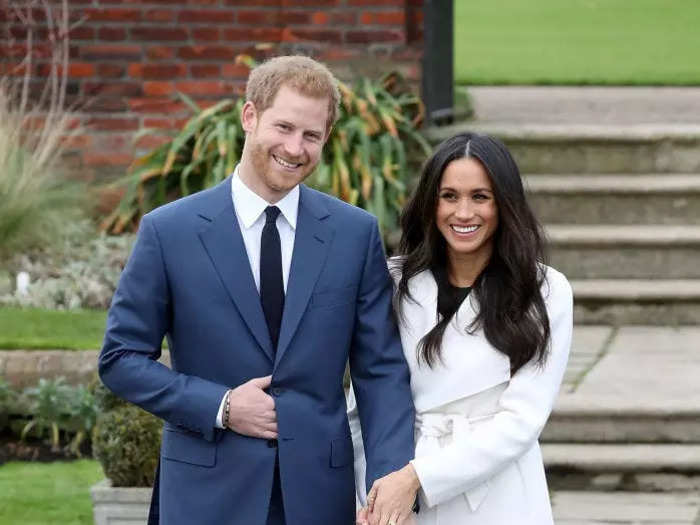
480, 197
448, 196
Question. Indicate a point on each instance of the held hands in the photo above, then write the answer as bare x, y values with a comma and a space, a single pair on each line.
390, 501
252, 411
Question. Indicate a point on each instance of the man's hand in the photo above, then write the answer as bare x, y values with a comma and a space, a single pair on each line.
252, 411
391, 498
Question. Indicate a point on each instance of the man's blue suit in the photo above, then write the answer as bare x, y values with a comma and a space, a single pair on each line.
189, 279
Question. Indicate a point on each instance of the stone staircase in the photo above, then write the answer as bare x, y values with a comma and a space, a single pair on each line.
619, 197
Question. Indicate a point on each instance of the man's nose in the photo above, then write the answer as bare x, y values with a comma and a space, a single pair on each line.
293, 146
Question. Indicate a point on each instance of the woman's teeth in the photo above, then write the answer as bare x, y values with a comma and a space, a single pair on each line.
464, 229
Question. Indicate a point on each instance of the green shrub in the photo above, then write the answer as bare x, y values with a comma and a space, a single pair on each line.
365, 161
126, 442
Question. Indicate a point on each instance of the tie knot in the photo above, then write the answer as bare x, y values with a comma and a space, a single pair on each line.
271, 213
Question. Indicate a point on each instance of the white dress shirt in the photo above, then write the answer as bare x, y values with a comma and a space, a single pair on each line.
250, 213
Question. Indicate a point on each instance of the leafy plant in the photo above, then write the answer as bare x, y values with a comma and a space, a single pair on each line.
364, 163
7, 395
56, 406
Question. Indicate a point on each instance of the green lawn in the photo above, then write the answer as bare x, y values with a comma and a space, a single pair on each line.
577, 42
34, 328
43, 493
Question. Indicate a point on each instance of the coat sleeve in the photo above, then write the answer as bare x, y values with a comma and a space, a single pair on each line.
379, 372
138, 319
522, 412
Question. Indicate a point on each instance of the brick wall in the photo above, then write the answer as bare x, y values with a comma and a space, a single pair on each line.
129, 57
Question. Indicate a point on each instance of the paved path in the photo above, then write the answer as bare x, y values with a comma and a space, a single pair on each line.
625, 508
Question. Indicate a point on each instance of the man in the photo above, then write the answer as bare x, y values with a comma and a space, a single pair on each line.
264, 289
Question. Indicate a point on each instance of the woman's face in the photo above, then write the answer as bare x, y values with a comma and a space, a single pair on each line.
467, 214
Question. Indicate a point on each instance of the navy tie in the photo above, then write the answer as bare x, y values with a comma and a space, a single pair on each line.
271, 284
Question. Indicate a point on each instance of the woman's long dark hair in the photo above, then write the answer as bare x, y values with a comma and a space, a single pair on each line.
511, 311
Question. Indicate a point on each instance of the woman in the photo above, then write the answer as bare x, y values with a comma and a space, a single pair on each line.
486, 330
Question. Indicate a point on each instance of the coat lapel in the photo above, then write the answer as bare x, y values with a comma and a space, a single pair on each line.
312, 240
223, 242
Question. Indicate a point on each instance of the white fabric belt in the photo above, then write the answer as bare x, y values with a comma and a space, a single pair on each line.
432, 427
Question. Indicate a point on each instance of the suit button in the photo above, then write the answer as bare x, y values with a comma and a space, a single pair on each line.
272, 443
276, 391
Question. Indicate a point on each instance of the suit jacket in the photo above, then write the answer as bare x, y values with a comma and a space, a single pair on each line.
189, 279
477, 454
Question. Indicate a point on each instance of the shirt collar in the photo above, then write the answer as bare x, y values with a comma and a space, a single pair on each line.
249, 205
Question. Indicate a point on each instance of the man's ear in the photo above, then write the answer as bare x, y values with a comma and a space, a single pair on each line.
249, 117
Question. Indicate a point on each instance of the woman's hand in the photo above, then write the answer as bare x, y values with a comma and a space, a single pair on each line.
390, 501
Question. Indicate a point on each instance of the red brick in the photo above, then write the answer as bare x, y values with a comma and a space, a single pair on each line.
206, 34
262, 34
91, 158
309, 3
113, 142
320, 17
159, 123
237, 3
153, 105
383, 18
258, 17
129, 89
205, 16
160, 52
205, 70
201, 88
111, 51
113, 124
77, 141
316, 35
159, 15
82, 33
158, 89
107, 104
376, 3
203, 2
12, 68
157, 71
151, 141
349, 19
111, 33
113, 14
158, 33
367, 37
340, 53
207, 52
75, 69
110, 70
235, 71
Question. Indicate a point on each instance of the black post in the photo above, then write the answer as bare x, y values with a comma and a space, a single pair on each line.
438, 56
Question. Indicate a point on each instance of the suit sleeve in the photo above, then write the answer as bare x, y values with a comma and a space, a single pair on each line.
138, 319
379, 372
523, 410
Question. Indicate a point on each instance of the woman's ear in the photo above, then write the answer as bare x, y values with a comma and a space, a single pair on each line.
249, 117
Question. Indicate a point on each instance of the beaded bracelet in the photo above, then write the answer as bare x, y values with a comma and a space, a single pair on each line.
227, 406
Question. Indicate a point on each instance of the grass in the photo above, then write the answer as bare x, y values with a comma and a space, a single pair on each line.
31, 328
606, 42
41, 493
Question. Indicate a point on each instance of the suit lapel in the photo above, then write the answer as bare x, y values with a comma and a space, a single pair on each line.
312, 240
223, 242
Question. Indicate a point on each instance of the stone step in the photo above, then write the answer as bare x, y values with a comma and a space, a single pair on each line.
585, 104
592, 148
625, 508
615, 199
625, 457
629, 466
637, 301
625, 251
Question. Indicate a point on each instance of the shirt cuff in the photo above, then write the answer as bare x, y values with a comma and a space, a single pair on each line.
220, 414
